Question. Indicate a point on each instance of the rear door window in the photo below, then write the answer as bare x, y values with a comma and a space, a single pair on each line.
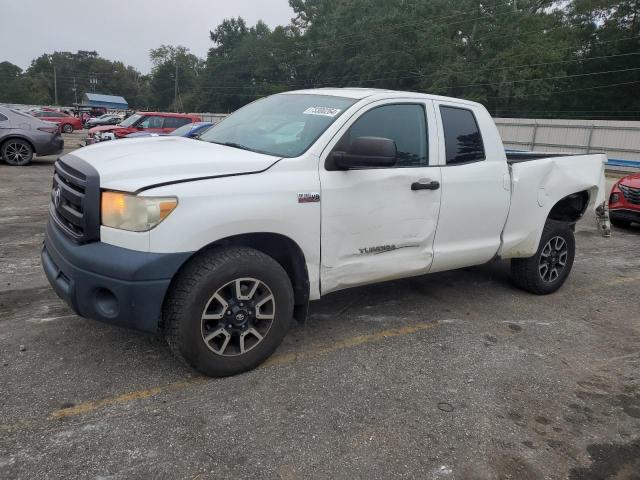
463, 141
175, 122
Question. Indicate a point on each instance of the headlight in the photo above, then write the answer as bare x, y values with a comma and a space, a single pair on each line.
135, 214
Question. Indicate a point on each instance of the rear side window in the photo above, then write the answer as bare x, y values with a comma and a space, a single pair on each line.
463, 142
404, 123
173, 122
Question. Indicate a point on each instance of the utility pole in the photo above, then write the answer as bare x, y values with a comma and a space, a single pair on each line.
175, 90
75, 90
93, 81
55, 86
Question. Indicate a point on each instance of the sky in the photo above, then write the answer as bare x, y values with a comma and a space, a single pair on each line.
122, 30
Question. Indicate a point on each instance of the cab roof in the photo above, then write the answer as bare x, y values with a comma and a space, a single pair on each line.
362, 93
168, 114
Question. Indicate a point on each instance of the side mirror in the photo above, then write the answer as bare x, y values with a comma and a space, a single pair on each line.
367, 152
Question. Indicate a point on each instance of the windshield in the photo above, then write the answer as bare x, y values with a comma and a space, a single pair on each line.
280, 125
18, 112
132, 120
183, 130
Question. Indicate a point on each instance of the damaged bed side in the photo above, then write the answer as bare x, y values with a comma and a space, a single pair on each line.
562, 186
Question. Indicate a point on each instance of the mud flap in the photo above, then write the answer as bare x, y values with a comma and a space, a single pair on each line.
602, 217
301, 312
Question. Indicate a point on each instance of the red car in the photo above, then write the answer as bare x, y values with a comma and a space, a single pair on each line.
153, 122
67, 123
624, 202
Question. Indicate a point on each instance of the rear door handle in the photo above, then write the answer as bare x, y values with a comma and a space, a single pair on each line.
425, 185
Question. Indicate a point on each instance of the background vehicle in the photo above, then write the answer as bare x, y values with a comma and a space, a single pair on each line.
67, 123
624, 201
106, 119
22, 136
190, 130
220, 242
151, 122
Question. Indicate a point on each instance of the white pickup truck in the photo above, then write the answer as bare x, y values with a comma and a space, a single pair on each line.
219, 243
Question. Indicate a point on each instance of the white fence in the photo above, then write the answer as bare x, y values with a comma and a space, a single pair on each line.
620, 140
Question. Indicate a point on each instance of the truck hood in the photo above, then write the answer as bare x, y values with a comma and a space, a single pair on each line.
135, 164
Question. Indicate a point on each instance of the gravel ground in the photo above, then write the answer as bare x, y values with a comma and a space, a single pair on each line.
455, 375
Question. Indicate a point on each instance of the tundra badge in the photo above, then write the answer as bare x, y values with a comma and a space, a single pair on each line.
309, 197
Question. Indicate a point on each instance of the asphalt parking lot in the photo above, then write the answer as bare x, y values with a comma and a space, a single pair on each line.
451, 376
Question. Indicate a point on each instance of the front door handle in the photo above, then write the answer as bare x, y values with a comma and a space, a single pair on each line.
425, 185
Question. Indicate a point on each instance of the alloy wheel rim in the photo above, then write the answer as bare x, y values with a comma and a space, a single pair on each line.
238, 316
16, 153
553, 259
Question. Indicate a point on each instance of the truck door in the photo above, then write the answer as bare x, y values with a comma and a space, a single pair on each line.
475, 187
379, 223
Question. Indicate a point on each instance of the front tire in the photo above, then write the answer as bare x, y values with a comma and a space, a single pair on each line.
16, 152
228, 310
549, 268
67, 128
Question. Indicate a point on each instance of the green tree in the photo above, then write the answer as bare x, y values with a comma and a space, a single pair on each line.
169, 61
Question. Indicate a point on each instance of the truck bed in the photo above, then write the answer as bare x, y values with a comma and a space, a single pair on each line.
537, 186
519, 157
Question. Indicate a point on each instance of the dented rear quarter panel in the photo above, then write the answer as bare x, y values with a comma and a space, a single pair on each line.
536, 186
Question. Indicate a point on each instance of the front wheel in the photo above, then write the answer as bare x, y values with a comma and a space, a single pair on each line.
228, 310
548, 269
67, 128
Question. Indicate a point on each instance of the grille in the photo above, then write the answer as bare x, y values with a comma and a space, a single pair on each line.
73, 200
632, 195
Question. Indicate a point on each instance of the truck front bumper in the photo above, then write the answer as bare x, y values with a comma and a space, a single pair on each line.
108, 283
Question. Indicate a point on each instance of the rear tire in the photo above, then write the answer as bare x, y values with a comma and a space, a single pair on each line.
67, 128
16, 152
548, 269
228, 310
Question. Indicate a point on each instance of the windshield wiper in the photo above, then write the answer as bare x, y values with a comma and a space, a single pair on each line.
235, 145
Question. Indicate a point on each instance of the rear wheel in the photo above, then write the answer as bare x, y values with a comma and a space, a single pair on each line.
67, 128
17, 152
548, 269
228, 310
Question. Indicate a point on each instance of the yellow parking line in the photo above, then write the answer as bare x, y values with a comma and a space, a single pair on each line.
276, 360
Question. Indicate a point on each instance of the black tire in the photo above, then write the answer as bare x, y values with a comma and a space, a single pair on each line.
67, 128
16, 152
529, 273
617, 222
192, 292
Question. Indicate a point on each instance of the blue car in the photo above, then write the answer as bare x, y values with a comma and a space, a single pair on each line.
190, 130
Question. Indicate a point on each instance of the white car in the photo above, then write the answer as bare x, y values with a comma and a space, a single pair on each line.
221, 242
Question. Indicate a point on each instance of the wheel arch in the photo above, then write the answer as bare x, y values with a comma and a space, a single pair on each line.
570, 208
283, 250
18, 137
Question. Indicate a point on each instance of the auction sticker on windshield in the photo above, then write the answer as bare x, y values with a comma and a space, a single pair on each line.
324, 111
